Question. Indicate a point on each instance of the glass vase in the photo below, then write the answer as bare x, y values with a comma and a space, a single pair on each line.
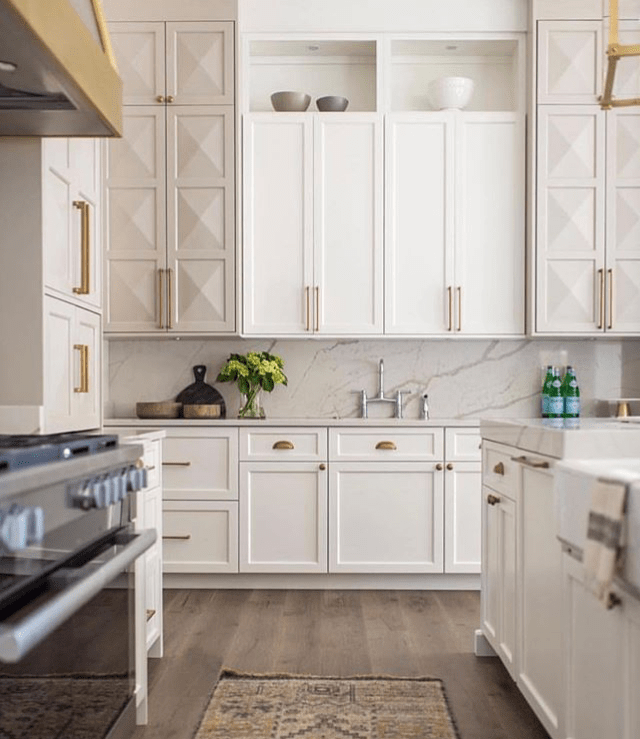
251, 404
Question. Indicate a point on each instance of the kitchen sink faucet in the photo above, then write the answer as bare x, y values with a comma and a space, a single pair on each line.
380, 397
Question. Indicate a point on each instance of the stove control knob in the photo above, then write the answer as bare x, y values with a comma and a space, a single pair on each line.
35, 525
82, 496
14, 529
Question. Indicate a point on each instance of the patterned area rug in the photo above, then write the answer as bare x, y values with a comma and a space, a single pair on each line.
301, 707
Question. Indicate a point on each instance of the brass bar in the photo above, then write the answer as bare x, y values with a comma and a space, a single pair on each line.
308, 303
601, 282
85, 245
610, 323
459, 309
537, 464
169, 298
450, 294
176, 464
627, 103
317, 308
78, 347
613, 22
388, 445
606, 98
85, 365
182, 537
161, 297
623, 50
283, 445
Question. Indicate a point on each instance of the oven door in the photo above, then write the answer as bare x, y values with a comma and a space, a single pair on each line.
67, 645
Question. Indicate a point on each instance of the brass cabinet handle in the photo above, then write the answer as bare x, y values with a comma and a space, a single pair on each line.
176, 464
317, 289
169, 298
601, 283
84, 368
85, 248
161, 298
179, 537
307, 292
283, 445
160, 98
499, 469
537, 464
388, 445
459, 309
151, 612
323, 466
151, 468
170, 98
610, 323
438, 466
492, 499
449, 466
450, 295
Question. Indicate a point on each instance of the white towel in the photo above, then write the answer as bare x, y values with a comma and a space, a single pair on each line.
605, 537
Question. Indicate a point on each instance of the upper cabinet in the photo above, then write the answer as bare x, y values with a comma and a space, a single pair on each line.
170, 236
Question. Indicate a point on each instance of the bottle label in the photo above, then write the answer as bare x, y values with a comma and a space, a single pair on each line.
556, 383
572, 407
556, 406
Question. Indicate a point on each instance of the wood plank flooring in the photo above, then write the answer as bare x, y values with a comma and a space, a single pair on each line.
356, 632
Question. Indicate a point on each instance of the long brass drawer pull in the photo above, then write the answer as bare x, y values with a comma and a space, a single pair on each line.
499, 469
492, 499
151, 468
537, 464
151, 612
283, 445
307, 290
459, 309
450, 316
601, 283
388, 445
176, 464
84, 368
178, 537
317, 308
85, 248
170, 298
610, 323
161, 298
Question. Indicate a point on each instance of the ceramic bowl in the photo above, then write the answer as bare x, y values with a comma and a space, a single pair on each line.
450, 92
290, 102
332, 103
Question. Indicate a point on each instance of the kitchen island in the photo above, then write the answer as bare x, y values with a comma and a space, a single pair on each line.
576, 663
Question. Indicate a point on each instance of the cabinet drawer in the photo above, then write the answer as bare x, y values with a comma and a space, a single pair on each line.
200, 536
463, 444
283, 444
499, 471
383, 444
200, 464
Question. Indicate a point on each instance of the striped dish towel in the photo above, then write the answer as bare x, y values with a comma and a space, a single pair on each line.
605, 537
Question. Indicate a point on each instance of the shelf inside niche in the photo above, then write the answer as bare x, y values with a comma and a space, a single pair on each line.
491, 63
317, 67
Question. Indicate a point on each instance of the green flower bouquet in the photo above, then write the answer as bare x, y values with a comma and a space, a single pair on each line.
253, 372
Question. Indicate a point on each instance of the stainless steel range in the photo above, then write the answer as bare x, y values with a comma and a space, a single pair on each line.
67, 547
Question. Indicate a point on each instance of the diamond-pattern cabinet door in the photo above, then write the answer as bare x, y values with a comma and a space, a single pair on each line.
200, 63
570, 61
139, 51
200, 217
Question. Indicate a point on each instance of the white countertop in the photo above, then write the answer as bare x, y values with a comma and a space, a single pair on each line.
386, 422
584, 438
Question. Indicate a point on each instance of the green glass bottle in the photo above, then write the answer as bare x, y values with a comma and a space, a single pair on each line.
570, 394
556, 401
545, 391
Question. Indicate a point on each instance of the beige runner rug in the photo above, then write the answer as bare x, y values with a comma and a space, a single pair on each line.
302, 707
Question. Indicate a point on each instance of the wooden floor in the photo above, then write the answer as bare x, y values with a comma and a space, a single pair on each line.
330, 633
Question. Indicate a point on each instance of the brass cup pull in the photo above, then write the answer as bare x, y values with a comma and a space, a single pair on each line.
177, 537
492, 499
160, 99
85, 248
449, 466
283, 445
499, 469
151, 612
537, 464
438, 466
388, 445
84, 368
176, 464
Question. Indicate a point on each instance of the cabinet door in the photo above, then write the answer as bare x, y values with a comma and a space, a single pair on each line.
278, 223
489, 223
569, 61
462, 517
135, 248
139, 51
348, 224
623, 221
385, 517
200, 218
570, 220
419, 223
283, 517
87, 403
200, 63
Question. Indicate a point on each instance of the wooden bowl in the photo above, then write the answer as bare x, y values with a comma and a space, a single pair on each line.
201, 411
160, 409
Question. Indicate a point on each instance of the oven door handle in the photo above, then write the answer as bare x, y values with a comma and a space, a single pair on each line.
21, 637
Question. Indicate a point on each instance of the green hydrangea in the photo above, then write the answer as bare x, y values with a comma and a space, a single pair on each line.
253, 370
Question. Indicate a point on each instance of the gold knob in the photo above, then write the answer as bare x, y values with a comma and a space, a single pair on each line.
438, 466
283, 445
449, 466
170, 98
160, 98
323, 466
389, 445
492, 499
139, 463
499, 469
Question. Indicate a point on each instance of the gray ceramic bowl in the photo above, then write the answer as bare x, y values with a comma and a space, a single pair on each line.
332, 104
290, 102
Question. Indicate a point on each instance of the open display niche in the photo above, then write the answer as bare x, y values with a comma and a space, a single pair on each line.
496, 66
317, 67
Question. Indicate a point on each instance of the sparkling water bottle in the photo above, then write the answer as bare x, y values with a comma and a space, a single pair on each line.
571, 394
545, 391
555, 403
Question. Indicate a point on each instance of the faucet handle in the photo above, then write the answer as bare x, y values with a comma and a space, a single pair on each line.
399, 409
363, 402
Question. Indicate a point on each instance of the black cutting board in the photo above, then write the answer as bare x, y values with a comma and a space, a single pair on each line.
200, 393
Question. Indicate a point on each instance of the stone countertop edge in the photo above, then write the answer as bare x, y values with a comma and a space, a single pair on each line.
110, 423
136, 435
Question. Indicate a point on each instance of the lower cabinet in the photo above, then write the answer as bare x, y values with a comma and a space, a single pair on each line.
462, 516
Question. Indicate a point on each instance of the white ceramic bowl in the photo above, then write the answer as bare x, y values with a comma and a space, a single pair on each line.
450, 92
290, 102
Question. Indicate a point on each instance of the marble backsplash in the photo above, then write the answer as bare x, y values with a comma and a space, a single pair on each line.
464, 379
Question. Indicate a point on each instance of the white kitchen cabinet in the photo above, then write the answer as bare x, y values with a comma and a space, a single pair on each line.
170, 236
312, 192
462, 516
72, 367
454, 223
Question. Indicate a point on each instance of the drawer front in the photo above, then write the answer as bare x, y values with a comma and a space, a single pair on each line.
499, 471
152, 463
200, 536
283, 444
384, 444
199, 465
463, 444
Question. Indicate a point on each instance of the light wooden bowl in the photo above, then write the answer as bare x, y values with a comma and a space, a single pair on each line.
160, 409
201, 411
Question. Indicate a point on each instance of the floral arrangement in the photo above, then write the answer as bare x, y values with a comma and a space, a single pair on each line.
253, 372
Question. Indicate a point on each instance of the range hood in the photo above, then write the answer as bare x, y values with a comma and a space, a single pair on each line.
58, 76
